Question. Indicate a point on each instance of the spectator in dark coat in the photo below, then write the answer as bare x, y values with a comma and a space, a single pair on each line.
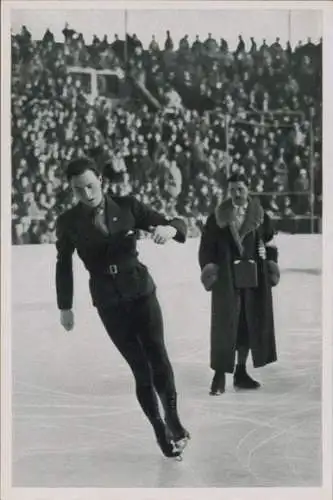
239, 232
168, 42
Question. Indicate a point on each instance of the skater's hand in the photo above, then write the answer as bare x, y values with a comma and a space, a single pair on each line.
162, 234
67, 319
262, 250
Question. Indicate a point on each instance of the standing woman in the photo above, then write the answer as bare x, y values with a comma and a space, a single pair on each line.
238, 261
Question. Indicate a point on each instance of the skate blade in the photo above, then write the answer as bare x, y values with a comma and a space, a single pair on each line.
181, 444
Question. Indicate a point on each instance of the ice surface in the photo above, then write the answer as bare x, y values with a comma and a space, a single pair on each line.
76, 422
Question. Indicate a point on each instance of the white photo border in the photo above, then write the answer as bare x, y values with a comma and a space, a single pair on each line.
323, 493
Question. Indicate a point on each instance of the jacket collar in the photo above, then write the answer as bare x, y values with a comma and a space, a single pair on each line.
225, 215
117, 219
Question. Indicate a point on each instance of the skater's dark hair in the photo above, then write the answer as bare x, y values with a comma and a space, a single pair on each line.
237, 177
80, 165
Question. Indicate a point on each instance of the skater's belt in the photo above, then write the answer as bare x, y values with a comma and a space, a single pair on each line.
114, 269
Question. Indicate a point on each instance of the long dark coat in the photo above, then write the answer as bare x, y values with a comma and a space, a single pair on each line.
221, 243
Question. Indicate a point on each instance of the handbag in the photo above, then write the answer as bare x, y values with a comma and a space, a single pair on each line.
245, 273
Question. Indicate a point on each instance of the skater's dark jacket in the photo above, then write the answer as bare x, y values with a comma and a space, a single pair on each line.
221, 243
76, 231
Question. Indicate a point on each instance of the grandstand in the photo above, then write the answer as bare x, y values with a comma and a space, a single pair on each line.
170, 122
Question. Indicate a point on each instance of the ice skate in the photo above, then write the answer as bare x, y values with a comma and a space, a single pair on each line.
175, 430
166, 444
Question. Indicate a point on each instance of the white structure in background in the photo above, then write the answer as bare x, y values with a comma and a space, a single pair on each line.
94, 74
174, 101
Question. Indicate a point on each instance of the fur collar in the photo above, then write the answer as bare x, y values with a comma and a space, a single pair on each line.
225, 216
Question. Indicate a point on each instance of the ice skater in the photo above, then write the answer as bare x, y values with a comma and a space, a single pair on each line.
102, 229
238, 260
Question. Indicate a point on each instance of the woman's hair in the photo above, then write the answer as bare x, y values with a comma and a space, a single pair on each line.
79, 166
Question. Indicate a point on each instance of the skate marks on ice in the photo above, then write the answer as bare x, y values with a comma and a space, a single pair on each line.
76, 422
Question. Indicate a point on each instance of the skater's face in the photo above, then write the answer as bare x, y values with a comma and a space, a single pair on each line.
87, 188
239, 193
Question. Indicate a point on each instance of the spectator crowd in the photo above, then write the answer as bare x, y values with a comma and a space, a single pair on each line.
185, 118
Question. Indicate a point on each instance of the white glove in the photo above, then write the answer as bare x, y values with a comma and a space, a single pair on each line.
162, 234
262, 250
67, 319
